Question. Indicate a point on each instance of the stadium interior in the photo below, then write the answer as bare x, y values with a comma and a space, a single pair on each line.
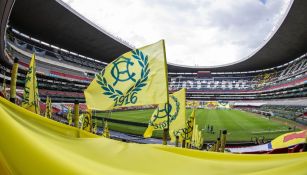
64, 74
71, 50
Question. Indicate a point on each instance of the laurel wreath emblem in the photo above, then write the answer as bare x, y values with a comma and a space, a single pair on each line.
172, 117
116, 94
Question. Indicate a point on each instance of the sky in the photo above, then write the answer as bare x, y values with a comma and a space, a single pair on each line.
196, 32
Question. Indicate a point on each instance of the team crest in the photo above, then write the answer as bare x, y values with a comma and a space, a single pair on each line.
160, 117
124, 71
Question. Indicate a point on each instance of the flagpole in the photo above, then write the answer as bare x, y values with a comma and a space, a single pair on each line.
166, 130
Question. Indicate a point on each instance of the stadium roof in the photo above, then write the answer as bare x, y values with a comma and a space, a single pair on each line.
54, 22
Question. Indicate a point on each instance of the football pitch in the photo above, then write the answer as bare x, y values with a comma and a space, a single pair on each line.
241, 126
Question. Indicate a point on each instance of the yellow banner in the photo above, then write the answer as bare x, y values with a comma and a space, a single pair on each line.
135, 78
30, 99
31, 144
176, 109
193, 104
289, 139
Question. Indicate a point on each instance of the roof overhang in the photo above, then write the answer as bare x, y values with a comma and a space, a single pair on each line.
54, 22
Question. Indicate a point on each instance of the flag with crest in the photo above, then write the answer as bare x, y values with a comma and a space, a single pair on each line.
187, 132
138, 77
30, 99
176, 120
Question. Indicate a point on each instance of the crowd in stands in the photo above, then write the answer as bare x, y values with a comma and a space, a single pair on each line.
249, 82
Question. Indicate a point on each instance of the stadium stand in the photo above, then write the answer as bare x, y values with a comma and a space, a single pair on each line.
284, 81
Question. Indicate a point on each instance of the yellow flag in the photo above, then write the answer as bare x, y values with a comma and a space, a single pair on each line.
189, 125
135, 78
3, 90
197, 138
69, 116
187, 132
48, 112
95, 129
106, 132
176, 109
87, 121
80, 121
194, 135
289, 139
30, 99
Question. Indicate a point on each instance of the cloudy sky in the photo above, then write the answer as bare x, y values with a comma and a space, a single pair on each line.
197, 32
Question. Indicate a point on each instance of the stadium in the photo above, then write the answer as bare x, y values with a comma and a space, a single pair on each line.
229, 111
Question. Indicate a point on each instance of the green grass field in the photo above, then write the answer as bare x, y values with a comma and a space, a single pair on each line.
241, 126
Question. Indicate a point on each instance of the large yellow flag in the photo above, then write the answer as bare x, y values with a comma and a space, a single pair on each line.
135, 78
176, 109
32, 145
30, 99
